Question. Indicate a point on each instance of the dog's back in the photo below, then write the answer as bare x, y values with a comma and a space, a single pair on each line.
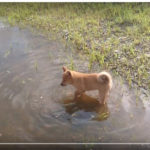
92, 81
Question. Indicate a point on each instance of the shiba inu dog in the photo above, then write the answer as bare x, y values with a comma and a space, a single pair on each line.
85, 82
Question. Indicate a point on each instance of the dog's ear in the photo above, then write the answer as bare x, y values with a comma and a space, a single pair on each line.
68, 73
64, 68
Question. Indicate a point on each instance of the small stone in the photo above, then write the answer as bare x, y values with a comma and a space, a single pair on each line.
35, 100
131, 115
147, 55
100, 138
92, 116
123, 60
8, 71
73, 114
30, 79
23, 82
116, 51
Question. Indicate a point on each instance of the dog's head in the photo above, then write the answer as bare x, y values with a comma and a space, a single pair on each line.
66, 77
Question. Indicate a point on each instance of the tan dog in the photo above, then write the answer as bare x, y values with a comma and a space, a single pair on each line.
86, 82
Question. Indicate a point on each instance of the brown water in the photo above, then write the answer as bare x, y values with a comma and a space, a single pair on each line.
35, 108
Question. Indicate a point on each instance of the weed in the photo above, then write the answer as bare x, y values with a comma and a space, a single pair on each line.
71, 65
6, 54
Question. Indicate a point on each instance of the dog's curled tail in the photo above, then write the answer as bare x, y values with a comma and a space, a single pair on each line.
105, 77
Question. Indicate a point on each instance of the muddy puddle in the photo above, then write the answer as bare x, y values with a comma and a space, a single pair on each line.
35, 108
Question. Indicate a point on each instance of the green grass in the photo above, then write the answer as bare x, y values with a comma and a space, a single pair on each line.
116, 35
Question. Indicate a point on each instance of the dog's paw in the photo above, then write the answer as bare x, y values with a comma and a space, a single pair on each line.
102, 102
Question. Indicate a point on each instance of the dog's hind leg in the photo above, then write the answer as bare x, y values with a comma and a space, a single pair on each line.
103, 97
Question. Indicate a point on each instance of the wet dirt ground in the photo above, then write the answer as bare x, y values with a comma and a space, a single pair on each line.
35, 108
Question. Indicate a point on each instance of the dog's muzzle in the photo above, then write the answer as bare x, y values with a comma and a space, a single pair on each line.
62, 84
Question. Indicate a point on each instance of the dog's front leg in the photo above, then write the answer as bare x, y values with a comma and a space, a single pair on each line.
78, 94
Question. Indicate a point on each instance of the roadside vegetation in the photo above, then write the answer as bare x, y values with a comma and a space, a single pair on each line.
115, 35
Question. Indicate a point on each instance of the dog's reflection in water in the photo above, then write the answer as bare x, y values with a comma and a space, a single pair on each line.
87, 104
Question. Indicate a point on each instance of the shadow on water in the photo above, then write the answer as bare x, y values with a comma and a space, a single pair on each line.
35, 108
